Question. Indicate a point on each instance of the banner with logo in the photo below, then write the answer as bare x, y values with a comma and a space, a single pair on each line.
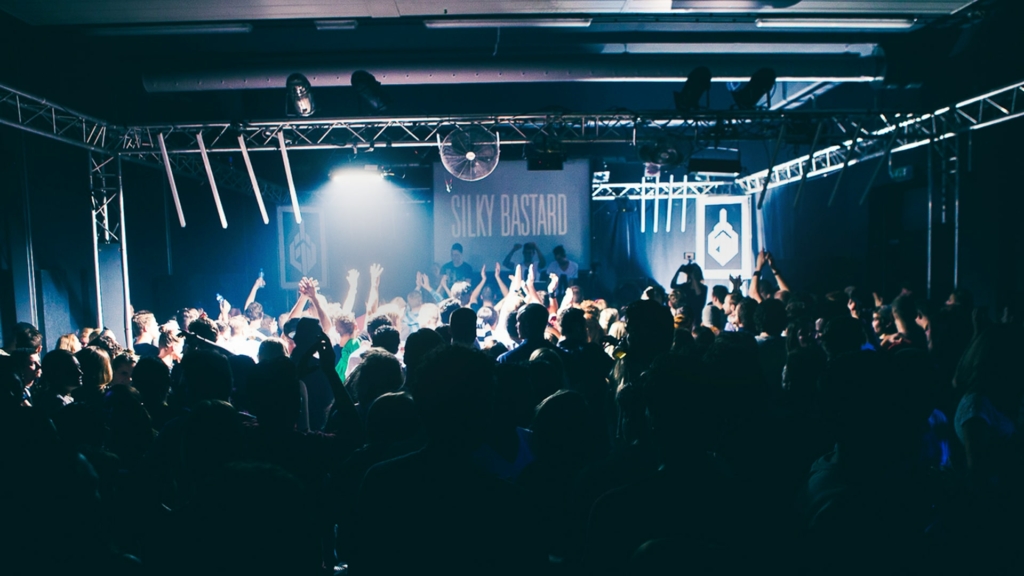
302, 247
513, 206
724, 236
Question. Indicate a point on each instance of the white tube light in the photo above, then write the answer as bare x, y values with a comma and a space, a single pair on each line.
288, 176
838, 23
171, 30
170, 178
508, 23
213, 183
252, 178
330, 25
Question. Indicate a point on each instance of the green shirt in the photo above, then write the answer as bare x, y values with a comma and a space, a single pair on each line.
351, 346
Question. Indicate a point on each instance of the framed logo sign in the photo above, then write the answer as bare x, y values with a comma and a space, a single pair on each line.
724, 236
302, 248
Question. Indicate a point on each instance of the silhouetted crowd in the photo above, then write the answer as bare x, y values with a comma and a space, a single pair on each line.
510, 426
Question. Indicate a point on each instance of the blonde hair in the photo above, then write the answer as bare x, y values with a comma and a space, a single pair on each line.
429, 316
69, 342
168, 337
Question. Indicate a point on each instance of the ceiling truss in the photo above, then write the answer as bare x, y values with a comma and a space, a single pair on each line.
841, 139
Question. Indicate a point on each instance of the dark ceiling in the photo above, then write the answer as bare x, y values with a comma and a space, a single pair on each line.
105, 58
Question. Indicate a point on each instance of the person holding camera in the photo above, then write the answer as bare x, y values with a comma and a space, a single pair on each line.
689, 281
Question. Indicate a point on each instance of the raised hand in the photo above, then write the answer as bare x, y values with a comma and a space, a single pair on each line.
529, 276
261, 283
770, 260
762, 256
483, 273
552, 283
497, 269
375, 271
225, 306
567, 300
737, 282
308, 287
352, 277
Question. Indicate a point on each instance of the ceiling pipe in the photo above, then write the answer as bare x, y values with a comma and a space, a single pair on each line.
599, 68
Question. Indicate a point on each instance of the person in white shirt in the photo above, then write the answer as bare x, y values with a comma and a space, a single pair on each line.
563, 266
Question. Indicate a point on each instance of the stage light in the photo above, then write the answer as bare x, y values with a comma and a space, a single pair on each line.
838, 23
170, 178
760, 85
353, 177
663, 152
716, 162
300, 97
697, 84
369, 90
252, 179
213, 183
288, 176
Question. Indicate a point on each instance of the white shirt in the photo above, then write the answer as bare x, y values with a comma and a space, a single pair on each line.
572, 272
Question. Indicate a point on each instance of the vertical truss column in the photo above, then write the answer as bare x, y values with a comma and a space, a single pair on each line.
108, 226
945, 215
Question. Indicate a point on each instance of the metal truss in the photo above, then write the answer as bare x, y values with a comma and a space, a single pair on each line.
658, 190
108, 225
896, 134
845, 139
417, 132
38, 116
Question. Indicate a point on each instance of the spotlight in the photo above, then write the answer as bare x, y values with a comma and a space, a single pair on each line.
369, 90
663, 152
748, 95
716, 162
697, 84
300, 97
353, 177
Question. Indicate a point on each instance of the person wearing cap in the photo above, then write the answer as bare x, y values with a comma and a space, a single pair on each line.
457, 270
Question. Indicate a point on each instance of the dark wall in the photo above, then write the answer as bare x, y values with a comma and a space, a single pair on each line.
54, 179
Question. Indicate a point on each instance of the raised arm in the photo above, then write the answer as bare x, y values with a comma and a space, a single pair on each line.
497, 277
260, 283
552, 287
443, 286
531, 293
423, 283
373, 301
737, 285
778, 276
479, 287
507, 263
225, 309
300, 304
755, 280
675, 278
344, 421
350, 297
321, 314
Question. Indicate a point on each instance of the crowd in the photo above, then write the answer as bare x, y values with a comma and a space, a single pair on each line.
507, 425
